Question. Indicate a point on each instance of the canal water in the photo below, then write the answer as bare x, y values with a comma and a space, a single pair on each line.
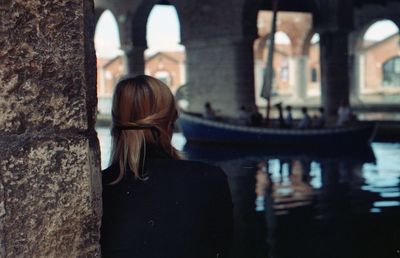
314, 203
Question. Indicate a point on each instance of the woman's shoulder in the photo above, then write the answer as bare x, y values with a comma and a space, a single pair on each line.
110, 173
168, 167
188, 168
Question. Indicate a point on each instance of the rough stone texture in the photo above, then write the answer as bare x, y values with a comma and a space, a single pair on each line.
335, 79
50, 188
220, 72
42, 66
47, 202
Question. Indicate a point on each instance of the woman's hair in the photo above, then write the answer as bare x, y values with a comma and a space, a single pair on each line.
143, 111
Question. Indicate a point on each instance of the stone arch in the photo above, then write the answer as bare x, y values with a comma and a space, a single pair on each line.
361, 32
98, 11
249, 17
109, 62
139, 21
369, 57
307, 42
312, 51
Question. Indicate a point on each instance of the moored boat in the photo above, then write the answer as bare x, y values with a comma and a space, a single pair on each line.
199, 129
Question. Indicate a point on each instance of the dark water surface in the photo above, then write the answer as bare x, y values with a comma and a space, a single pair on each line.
314, 203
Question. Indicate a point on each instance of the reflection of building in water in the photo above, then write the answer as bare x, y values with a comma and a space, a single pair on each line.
293, 189
168, 67
250, 227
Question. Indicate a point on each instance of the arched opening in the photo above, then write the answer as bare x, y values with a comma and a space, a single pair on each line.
110, 65
165, 56
289, 61
314, 76
281, 69
379, 65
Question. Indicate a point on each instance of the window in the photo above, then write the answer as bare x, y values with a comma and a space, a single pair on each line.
284, 71
391, 72
164, 76
314, 75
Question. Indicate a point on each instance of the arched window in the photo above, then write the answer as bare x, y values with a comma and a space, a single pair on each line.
391, 72
314, 75
284, 70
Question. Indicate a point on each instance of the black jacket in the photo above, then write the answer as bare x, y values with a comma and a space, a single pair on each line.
184, 210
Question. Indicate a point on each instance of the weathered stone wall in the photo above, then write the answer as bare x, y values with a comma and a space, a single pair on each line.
220, 72
50, 187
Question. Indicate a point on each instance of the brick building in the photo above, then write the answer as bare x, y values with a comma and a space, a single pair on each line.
296, 62
109, 71
380, 67
169, 67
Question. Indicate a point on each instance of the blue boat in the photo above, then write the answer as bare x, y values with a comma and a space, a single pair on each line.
198, 129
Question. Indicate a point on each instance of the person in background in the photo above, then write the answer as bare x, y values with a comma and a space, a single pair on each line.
280, 118
255, 117
209, 112
320, 120
289, 117
154, 203
305, 122
344, 114
243, 117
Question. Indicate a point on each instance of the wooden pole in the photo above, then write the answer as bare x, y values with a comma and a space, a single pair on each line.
269, 74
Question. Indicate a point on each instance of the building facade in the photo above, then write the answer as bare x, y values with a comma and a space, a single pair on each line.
168, 67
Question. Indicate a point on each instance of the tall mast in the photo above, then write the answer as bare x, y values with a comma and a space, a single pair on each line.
269, 72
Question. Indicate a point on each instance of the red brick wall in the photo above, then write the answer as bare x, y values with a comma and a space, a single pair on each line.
374, 59
162, 63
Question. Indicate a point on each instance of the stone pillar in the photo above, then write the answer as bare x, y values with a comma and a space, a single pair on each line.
50, 183
135, 63
334, 21
355, 65
357, 77
335, 83
298, 71
221, 72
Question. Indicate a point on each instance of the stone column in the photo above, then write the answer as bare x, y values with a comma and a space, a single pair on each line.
50, 184
357, 76
335, 83
220, 71
334, 20
135, 63
298, 71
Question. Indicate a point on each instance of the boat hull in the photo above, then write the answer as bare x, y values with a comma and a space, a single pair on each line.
199, 129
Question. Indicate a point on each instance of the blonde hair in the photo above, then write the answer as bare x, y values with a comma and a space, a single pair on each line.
143, 111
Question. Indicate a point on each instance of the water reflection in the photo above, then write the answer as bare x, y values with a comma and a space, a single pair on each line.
307, 202
301, 203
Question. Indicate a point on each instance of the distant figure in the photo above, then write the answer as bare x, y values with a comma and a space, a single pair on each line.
255, 117
243, 116
289, 117
281, 120
344, 114
320, 120
209, 112
305, 122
